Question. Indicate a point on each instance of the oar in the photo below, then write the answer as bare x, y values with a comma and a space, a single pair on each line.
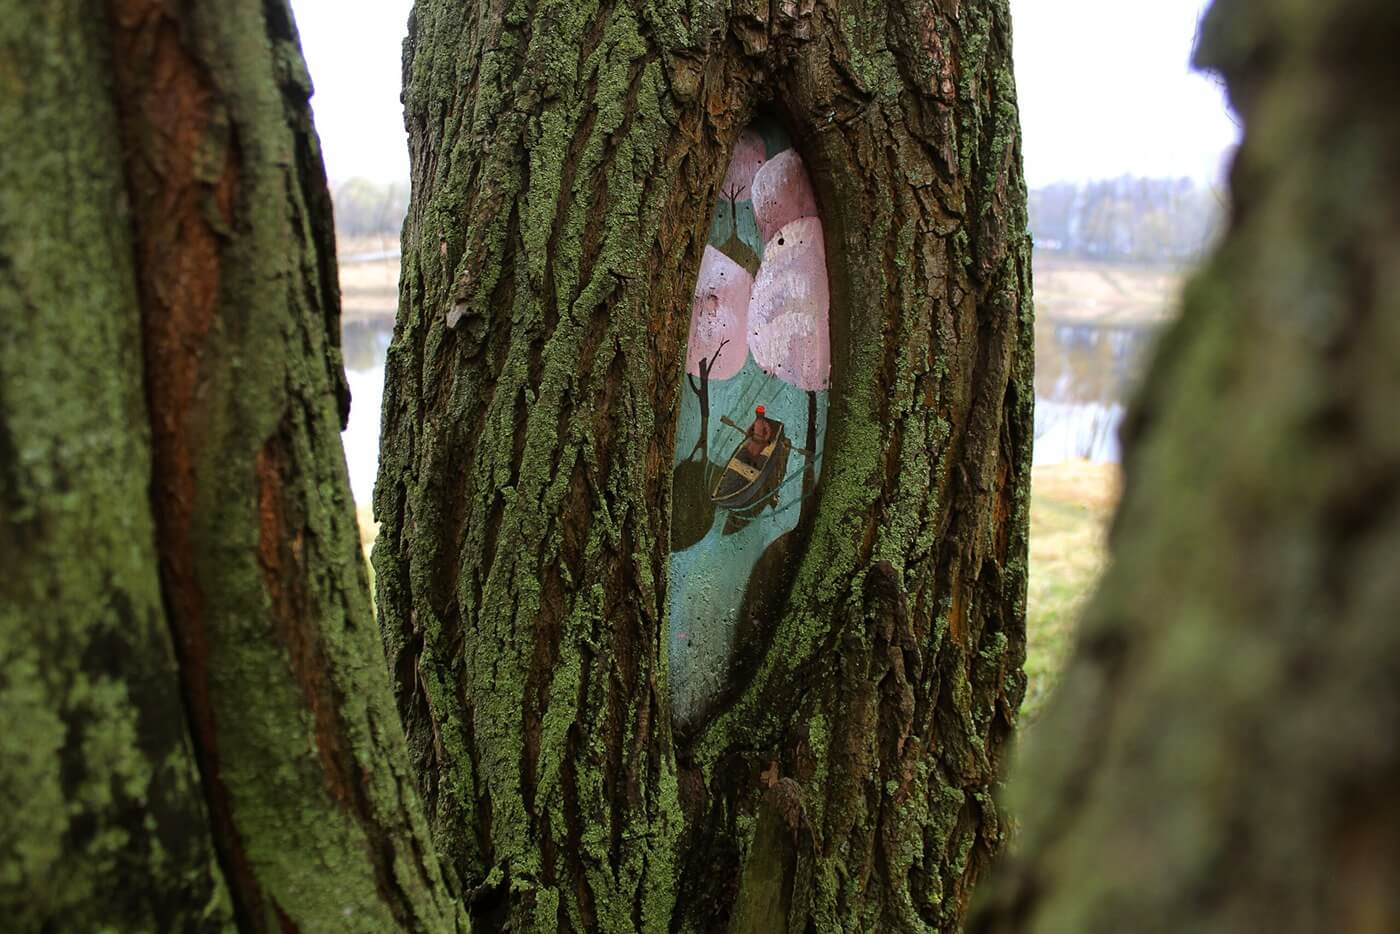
726, 420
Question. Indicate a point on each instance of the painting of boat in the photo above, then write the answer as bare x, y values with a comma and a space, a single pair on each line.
759, 349
749, 478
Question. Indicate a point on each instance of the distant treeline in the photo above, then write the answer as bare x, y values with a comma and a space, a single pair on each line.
1126, 218
364, 208
1123, 218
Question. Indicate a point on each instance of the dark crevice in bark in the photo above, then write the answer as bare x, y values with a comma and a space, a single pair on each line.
178, 271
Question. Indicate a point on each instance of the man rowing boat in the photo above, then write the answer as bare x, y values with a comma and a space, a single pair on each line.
757, 438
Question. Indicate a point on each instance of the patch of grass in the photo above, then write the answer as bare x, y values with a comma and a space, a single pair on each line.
1071, 504
1091, 291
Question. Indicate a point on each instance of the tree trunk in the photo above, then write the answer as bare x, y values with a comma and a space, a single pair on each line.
165, 213
1222, 755
104, 823
566, 157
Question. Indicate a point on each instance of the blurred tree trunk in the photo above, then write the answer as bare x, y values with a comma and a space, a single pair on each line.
1223, 753
565, 160
163, 212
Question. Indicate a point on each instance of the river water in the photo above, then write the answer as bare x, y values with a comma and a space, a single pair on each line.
1085, 374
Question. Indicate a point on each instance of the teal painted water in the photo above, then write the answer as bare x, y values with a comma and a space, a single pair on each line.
710, 578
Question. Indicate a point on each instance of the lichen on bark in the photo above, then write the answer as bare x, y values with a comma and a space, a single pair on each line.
170, 405
105, 823
299, 747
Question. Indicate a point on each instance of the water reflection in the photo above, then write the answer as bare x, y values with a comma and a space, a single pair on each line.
365, 345
1084, 375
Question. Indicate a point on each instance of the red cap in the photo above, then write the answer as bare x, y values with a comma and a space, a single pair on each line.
758, 410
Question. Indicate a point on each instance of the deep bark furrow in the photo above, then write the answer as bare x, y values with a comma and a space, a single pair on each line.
179, 275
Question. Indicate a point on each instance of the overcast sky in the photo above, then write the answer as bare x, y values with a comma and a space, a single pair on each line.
1105, 88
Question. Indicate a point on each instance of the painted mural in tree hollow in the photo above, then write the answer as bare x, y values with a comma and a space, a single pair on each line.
752, 420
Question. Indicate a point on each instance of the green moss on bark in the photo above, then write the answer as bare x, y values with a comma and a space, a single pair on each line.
184, 235
105, 824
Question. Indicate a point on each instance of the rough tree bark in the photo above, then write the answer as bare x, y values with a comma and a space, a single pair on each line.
187, 535
565, 157
1223, 753
103, 815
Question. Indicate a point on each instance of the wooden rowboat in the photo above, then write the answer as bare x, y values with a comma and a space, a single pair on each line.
743, 484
